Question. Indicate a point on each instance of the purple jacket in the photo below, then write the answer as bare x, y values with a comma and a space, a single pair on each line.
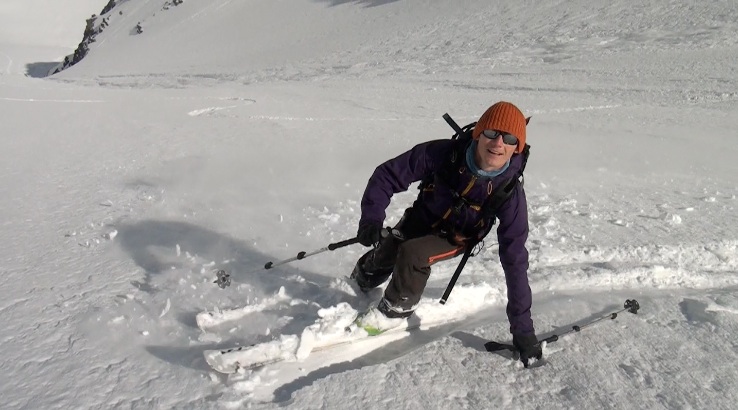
423, 161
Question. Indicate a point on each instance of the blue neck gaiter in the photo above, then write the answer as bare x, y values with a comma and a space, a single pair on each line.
473, 166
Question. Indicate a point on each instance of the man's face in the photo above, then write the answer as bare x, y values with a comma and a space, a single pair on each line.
492, 153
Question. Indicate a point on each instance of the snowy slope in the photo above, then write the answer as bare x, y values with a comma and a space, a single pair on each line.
232, 133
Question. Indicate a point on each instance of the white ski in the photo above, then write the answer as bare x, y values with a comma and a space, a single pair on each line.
293, 348
335, 328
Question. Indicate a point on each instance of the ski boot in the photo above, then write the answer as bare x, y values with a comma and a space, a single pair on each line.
381, 318
367, 276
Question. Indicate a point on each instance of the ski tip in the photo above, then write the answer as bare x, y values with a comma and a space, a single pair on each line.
214, 359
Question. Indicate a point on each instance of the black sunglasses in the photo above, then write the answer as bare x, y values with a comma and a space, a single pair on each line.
508, 139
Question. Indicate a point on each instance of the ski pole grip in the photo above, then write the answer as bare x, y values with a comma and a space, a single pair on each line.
341, 244
550, 339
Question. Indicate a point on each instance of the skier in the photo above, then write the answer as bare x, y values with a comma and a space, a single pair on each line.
458, 177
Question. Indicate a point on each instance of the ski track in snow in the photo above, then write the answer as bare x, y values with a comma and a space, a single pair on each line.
37, 100
10, 63
210, 110
416, 119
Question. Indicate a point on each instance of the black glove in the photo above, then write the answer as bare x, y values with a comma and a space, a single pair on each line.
528, 347
369, 233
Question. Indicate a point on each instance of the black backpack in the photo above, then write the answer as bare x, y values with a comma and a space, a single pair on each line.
462, 136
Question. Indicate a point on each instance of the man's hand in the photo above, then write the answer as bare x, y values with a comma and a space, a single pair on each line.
369, 233
528, 347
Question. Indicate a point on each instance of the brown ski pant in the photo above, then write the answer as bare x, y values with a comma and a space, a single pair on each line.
412, 260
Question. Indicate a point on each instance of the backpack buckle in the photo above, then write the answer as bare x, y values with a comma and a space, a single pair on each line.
459, 204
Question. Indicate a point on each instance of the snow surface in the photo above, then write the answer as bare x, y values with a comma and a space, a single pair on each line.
233, 133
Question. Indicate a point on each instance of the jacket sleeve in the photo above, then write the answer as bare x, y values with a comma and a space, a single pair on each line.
512, 233
397, 174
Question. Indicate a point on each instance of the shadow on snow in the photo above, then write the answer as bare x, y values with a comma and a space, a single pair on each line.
141, 241
151, 245
40, 70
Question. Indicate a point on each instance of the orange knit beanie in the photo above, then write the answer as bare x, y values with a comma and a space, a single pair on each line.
503, 116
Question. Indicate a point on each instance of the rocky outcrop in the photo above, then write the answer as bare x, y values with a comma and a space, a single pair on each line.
108, 7
96, 25
92, 29
171, 3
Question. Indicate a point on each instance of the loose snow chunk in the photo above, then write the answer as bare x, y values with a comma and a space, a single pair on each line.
338, 310
332, 218
333, 321
117, 319
466, 299
166, 308
307, 341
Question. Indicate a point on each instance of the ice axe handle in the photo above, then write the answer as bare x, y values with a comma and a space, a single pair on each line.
453, 124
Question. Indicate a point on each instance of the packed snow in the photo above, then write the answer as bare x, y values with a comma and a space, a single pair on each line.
228, 134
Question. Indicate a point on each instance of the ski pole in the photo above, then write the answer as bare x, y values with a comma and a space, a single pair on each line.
303, 255
631, 305
223, 278
331, 247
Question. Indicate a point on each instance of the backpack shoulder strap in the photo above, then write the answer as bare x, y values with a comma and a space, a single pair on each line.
501, 195
450, 164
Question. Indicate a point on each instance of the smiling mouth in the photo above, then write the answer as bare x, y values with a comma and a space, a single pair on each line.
495, 153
